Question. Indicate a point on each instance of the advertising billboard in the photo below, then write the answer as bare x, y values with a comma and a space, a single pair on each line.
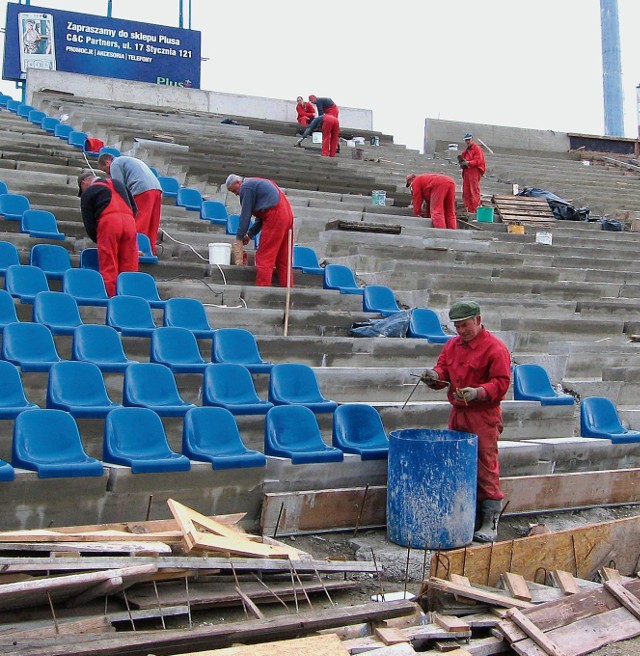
37, 37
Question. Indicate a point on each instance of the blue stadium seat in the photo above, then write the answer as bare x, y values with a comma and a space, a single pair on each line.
101, 345
12, 397
49, 123
107, 150
139, 283
177, 348
214, 211
12, 105
425, 324
62, 131
145, 254
24, 281
131, 316
231, 386
212, 435
305, 259
239, 346
380, 299
3, 187
23, 109
29, 346
54, 260
342, 278
4, 99
89, 259
7, 472
41, 224
531, 382
48, 442
293, 432
86, 286
77, 138
188, 313
170, 186
9, 255
599, 418
36, 117
13, 206
358, 428
78, 388
296, 384
58, 311
151, 385
135, 437
189, 198
8, 313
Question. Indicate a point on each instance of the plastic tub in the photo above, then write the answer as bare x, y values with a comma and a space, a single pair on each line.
219, 253
484, 214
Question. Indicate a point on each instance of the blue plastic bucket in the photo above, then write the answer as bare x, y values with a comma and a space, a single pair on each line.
431, 488
379, 197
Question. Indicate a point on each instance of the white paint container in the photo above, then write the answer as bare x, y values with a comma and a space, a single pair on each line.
316, 137
544, 238
219, 253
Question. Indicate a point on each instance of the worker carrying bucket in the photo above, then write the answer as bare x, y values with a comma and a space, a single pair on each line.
475, 367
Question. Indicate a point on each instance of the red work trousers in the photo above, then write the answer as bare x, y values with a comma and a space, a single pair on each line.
330, 135
486, 423
471, 188
117, 247
442, 205
334, 110
273, 249
148, 217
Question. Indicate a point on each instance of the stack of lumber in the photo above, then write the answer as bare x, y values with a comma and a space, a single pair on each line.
524, 210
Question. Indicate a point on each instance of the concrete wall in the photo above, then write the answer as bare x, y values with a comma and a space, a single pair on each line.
439, 133
199, 100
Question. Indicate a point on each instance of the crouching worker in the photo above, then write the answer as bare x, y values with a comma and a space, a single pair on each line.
108, 217
476, 367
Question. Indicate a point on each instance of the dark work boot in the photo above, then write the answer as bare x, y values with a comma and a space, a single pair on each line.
490, 510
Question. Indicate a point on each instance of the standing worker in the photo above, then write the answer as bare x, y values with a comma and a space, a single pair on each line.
438, 192
324, 106
476, 366
473, 167
143, 185
107, 213
274, 219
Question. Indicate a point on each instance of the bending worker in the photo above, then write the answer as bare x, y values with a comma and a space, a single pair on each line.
274, 218
330, 127
107, 213
473, 167
476, 366
438, 193
324, 106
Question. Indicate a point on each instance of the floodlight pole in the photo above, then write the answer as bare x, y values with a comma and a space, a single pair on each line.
109, 3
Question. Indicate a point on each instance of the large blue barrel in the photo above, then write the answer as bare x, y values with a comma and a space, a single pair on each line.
431, 488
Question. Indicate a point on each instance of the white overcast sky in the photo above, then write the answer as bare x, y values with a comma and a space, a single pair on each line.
535, 64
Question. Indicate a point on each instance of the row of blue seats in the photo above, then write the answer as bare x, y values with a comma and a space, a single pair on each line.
40, 224
48, 441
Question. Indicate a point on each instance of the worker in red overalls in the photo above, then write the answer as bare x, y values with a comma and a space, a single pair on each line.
324, 106
330, 135
438, 193
305, 111
274, 219
473, 167
476, 366
108, 217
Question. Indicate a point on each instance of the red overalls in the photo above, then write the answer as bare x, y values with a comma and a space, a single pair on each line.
439, 193
330, 135
117, 239
306, 113
274, 244
148, 218
471, 175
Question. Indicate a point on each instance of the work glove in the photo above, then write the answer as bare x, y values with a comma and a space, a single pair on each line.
430, 376
245, 240
238, 252
464, 163
468, 393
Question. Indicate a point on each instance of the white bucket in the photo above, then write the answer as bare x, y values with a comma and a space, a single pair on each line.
379, 197
544, 238
219, 253
316, 137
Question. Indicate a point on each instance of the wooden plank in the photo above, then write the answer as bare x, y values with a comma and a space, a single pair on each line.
517, 586
447, 646
565, 581
476, 593
538, 636
610, 574
461, 580
450, 622
70, 548
628, 600
63, 626
390, 636
362, 226
38, 535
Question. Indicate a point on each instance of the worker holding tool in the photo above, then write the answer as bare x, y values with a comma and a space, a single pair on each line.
438, 193
274, 219
476, 367
473, 166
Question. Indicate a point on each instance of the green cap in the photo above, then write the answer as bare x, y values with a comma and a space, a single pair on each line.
463, 310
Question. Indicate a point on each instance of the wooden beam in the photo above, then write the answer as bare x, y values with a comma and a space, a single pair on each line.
565, 581
538, 636
628, 600
476, 593
517, 586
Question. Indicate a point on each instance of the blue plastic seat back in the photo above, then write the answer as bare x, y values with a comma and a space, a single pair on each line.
12, 105
230, 384
58, 311
139, 283
173, 346
62, 130
77, 138
187, 313
29, 345
293, 432
13, 206
4, 99
531, 382
3, 187
212, 435
233, 221
358, 428
236, 345
145, 253
78, 388
149, 384
23, 110
130, 315
86, 286
294, 383
24, 281
49, 123
89, 259
305, 258
9, 255
107, 150
101, 345
48, 441
189, 198
381, 299
41, 223
170, 186
36, 117
135, 437
214, 211
54, 260
599, 417
8, 313
425, 323
341, 277
12, 397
